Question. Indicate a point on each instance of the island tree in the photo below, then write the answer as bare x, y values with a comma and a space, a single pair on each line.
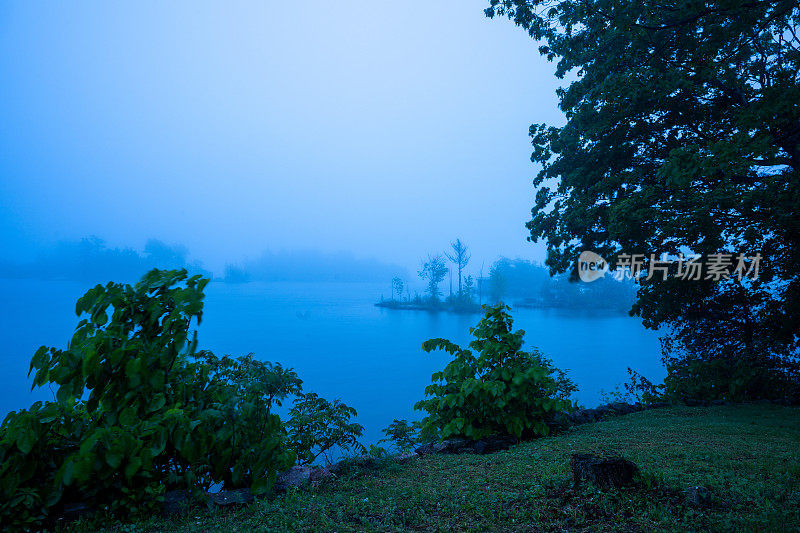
433, 270
460, 258
397, 287
469, 287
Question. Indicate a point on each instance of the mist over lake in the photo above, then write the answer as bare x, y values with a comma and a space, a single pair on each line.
339, 343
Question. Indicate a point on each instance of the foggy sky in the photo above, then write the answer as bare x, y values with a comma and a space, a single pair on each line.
386, 129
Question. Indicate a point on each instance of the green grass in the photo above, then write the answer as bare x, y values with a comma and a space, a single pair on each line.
748, 456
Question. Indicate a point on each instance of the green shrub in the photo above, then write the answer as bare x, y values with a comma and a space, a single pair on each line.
699, 367
718, 379
499, 389
34, 443
317, 426
404, 435
638, 389
250, 435
138, 411
738, 379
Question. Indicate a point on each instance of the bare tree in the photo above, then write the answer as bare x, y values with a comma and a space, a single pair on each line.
480, 286
460, 257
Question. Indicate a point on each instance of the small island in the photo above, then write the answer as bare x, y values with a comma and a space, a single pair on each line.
452, 305
521, 283
433, 270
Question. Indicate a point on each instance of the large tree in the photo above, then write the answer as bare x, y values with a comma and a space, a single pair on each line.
682, 135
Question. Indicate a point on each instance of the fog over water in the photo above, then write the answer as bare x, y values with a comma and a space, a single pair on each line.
340, 344
385, 130
318, 147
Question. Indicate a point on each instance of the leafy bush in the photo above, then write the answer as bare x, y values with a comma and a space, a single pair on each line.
703, 376
34, 443
700, 378
499, 389
317, 426
642, 390
246, 424
638, 389
404, 435
721, 379
138, 411
377, 452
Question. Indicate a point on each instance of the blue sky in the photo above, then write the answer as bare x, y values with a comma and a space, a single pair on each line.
385, 129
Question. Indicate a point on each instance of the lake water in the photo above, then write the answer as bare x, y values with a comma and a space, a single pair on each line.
339, 343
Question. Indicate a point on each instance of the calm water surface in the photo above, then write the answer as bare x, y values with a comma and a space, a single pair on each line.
339, 343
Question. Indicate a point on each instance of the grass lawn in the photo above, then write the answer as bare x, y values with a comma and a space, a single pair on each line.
748, 457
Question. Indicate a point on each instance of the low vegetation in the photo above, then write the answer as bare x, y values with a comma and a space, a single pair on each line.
745, 455
139, 411
495, 388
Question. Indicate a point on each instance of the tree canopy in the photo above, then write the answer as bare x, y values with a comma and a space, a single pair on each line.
682, 136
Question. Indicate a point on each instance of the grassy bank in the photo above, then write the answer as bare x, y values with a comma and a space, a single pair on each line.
748, 456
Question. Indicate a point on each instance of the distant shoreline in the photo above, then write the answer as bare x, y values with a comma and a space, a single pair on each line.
469, 308
475, 308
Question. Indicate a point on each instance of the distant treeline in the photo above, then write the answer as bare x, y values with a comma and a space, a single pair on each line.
310, 266
529, 284
91, 260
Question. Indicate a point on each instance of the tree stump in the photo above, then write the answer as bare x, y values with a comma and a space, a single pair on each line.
605, 472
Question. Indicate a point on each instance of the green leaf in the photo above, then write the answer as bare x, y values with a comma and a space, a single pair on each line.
64, 394
132, 467
26, 439
114, 458
67, 471
128, 417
